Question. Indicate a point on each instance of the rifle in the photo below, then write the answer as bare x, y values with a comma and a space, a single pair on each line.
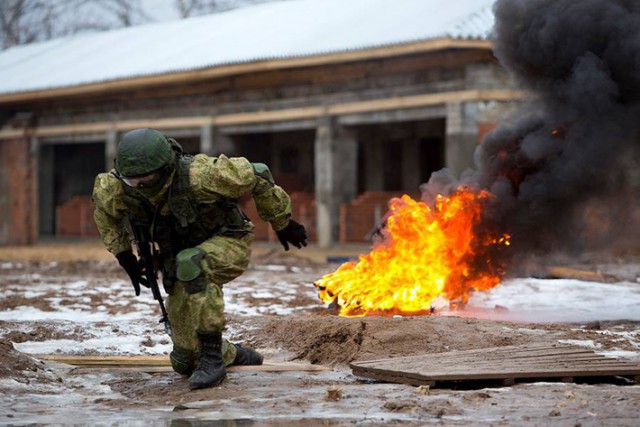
143, 246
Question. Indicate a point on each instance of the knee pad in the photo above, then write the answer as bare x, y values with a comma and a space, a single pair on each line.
189, 271
182, 360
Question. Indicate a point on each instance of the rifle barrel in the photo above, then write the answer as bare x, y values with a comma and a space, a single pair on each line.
144, 252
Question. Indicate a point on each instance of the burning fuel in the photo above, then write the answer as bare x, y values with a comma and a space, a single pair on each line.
425, 253
571, 146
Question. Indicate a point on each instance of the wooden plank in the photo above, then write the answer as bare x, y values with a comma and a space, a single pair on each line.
490, 360
143, 369
578, 274
461, 352
585, 364
106, 360
486, 354
498, 363
415, 101
457, 358
493, 375
163, 364
508, 370
103, 127
537, 365
465, 375
269, 367
506, 364
399, 379
270, 116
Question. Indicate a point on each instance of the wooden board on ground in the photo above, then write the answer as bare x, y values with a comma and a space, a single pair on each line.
577, 274
506, 364
160, 363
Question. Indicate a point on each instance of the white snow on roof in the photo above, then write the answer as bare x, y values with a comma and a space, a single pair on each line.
275, 30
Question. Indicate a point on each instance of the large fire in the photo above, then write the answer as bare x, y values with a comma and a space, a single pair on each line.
427, 252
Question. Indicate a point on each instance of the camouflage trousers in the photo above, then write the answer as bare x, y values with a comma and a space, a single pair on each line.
196, 302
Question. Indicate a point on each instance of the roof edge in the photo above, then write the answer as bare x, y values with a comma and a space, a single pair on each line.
224, 70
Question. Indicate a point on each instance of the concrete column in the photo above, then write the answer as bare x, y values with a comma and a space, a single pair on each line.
411, 165
336, 176
461, 135
346, 157
206, 139
326, 205
111, 142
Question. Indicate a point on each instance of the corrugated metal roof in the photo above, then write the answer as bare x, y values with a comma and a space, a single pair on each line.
277, 30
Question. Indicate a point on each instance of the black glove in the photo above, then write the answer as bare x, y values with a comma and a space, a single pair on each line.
293, 233
128, 261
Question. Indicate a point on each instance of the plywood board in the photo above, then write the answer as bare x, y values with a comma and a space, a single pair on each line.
497, 363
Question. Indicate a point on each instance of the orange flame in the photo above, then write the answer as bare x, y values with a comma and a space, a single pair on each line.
427, 253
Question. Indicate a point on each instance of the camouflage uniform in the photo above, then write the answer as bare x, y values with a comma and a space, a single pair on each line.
204, 239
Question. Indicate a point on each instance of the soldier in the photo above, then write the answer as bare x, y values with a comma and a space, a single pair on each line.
188, 206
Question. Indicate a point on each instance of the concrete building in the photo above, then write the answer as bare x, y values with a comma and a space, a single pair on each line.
349, 103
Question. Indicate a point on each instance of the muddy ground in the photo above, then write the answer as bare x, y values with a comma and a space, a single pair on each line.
73, 299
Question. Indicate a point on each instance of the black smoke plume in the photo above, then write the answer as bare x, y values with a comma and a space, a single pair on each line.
573, 145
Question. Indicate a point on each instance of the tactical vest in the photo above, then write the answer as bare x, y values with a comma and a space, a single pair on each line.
190, 222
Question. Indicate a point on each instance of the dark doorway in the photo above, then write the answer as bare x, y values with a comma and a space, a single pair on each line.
399, 156
67, 174
431, 157
190, 145
75, 169
289, 155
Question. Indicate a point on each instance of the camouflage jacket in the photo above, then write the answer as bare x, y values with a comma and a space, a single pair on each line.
211, 182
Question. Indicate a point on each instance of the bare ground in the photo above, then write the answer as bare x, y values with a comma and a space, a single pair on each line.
34, 391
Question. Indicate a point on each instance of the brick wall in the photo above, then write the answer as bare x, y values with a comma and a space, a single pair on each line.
19, 216
303, 209
263, 230
290, 182
360, 218
75, 217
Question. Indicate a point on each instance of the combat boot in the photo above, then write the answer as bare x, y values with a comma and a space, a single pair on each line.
247, 356
210, 371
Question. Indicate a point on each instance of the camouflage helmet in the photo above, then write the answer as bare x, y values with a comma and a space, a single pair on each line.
142, 151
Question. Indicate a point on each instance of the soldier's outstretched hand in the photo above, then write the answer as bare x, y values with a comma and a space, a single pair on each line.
293, 233
130, 264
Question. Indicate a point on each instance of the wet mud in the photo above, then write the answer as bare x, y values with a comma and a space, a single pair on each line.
273, 309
